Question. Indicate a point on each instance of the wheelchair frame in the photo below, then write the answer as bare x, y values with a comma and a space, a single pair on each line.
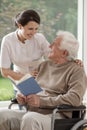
77, 122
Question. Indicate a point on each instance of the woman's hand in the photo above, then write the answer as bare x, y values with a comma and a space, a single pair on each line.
34, 73
33, 100
78, 61
21, 98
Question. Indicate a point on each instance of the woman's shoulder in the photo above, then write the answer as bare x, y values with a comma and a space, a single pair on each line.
39, 35
9, 38
10, 35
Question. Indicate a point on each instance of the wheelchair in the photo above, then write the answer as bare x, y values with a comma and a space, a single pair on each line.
76, 122
14, 105
13, 102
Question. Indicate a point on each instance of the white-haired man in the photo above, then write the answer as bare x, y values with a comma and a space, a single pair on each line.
63, 82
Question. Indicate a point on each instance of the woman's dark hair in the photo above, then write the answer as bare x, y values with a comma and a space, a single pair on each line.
26, 16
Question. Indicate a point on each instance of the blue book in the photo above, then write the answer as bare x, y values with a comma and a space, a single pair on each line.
27, 85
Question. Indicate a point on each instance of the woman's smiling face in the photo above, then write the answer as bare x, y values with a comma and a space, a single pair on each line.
28, 31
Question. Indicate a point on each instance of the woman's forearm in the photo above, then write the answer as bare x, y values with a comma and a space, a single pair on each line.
8, 72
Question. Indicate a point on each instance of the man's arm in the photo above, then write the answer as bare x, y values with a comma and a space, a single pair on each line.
76, 88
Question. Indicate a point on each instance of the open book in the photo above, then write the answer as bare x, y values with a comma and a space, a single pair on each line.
26, 85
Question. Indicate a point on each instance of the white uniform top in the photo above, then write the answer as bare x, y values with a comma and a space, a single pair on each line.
25, 57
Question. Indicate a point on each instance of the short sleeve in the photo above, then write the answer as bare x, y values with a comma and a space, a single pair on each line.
5, 60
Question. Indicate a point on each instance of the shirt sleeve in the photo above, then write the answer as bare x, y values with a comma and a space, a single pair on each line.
74, 95
5, 61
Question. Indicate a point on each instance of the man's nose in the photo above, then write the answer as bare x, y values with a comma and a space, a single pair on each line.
50, 45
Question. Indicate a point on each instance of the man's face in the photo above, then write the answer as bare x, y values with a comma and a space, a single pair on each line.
56, 53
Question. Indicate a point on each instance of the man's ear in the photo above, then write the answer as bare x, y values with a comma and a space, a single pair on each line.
65, 53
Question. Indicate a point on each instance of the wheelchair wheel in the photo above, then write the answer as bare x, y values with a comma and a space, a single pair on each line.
81, 125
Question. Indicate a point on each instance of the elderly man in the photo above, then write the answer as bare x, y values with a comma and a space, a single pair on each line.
62, 81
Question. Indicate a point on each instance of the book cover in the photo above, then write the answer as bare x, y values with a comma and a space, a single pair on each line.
27, 85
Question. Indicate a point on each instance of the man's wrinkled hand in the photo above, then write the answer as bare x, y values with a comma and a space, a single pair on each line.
33, 100
21, 99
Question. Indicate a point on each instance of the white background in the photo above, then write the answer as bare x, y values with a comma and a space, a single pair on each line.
82, 31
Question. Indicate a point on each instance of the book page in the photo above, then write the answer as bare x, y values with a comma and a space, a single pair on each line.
19, 81
24, 78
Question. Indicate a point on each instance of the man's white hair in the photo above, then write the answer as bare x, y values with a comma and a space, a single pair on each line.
69, 43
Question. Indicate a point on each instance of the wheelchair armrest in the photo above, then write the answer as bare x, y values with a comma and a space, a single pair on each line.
81, 110
65, 107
